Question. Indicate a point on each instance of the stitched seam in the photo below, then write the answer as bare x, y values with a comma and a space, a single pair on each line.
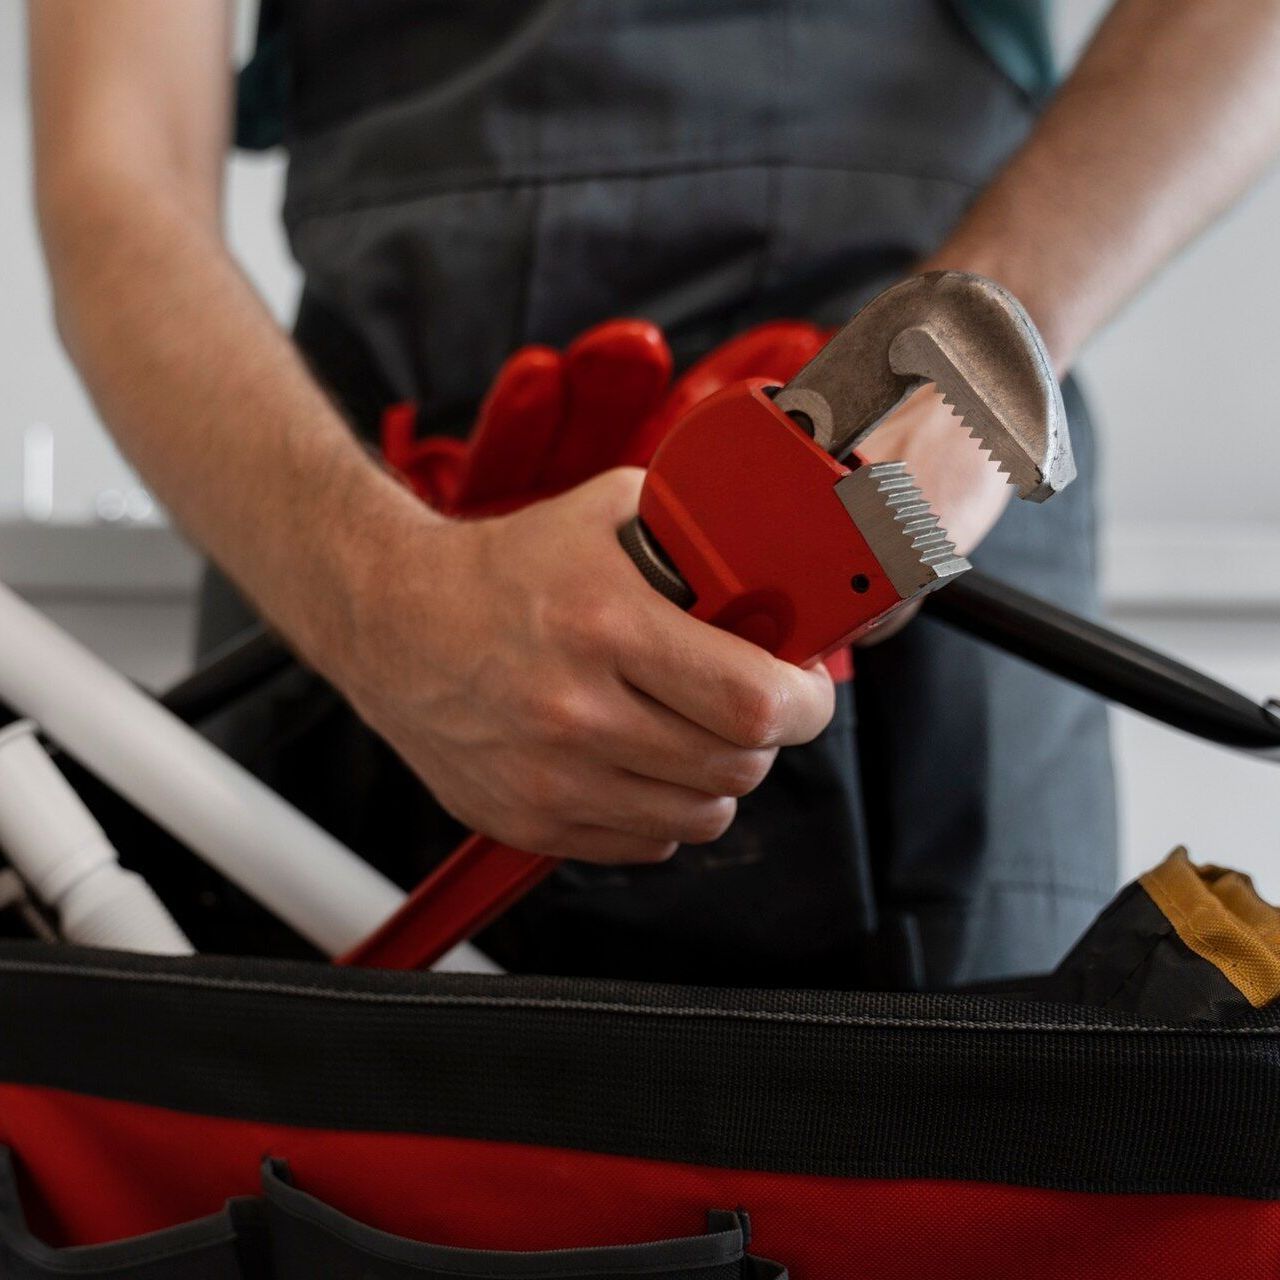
455, 183
1195, 940
605, 1006
1097, 893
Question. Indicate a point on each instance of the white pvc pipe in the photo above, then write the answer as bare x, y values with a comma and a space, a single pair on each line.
61, 852
241, 827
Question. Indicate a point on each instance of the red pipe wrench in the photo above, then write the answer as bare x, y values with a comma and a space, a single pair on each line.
758, 516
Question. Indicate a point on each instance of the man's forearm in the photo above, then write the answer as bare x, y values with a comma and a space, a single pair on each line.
1173, 109
214, 405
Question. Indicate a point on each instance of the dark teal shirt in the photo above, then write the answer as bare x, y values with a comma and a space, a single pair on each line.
1014, 33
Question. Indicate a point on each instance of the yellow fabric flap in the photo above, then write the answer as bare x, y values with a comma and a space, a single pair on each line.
1218, 914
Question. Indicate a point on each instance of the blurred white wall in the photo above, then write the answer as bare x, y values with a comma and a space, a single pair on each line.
1179, 385
1182, 389
37, 386
1175, 789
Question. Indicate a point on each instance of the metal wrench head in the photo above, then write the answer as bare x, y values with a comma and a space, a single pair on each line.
969, 337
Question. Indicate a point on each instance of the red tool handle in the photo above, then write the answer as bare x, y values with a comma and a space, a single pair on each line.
745, 505
470, 889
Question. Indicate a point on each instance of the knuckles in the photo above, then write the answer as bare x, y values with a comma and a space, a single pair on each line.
561, 717
592, 627
547, 791
758, 715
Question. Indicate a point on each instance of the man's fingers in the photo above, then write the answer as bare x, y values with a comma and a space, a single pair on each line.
612, 848
727, 685
732, 688
633, 727
562, 789
640, 736
657, 811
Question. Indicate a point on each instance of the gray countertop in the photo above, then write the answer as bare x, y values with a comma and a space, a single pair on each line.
1168, 569
149, 561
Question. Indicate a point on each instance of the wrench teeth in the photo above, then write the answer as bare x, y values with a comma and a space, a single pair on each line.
1009, 456
1004, 428
894, 517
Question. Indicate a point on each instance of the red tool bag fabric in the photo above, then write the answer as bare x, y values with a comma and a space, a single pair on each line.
209, 1117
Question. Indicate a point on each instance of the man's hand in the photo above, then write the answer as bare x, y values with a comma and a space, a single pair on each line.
953, 471
550, 698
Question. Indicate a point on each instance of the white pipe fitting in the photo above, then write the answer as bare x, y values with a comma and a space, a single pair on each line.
276, 854
61, 852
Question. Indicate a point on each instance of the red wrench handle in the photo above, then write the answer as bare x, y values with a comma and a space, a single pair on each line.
745, 505
470, 889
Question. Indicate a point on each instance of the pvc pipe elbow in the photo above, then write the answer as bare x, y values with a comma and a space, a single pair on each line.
58, 848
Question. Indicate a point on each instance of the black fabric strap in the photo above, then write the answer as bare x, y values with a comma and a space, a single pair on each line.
209, 1249
845, 1084
290, 1235
310, 1239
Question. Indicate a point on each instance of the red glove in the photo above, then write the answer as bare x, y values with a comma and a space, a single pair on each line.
550, 421
777, 350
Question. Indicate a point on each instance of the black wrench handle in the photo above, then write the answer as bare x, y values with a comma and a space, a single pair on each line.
1107, 663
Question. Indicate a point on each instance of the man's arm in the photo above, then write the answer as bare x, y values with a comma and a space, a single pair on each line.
131, 105
545, 693
1172, 111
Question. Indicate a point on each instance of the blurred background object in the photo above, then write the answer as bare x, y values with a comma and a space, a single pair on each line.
1179, 384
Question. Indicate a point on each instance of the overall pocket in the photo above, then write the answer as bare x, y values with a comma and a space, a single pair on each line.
224, 1246
310, 1239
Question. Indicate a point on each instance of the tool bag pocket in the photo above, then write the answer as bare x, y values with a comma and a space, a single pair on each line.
310, 1239
224, 1246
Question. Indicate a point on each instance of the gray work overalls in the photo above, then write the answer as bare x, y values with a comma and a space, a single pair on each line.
468, 176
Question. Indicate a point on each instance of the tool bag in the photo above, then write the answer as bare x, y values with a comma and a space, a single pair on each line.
214, 1117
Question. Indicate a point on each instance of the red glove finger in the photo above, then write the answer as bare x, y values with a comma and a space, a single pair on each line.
616, 375
517, 426
778, 349
431, 467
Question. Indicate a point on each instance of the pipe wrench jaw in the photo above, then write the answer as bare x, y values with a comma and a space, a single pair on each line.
750, 525
975, 343
906, 538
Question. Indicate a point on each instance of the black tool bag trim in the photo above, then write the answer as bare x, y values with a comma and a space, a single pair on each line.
290, 1235
222, 1246
310, 1238
845, 1084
